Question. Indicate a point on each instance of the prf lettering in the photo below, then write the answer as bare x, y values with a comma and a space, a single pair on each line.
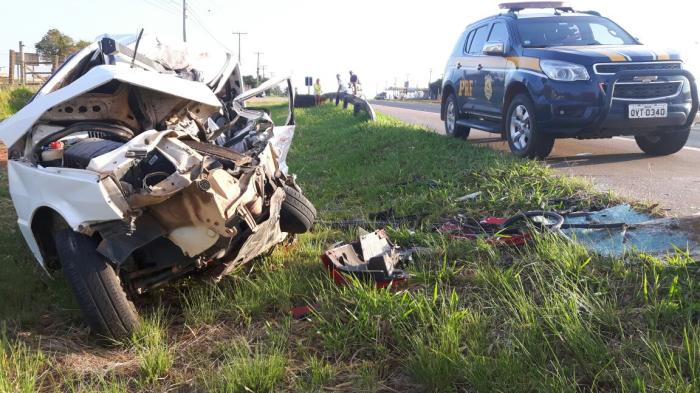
466, 88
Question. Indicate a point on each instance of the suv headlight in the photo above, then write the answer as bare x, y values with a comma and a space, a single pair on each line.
564, 71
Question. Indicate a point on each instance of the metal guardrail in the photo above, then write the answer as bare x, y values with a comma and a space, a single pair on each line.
358, 103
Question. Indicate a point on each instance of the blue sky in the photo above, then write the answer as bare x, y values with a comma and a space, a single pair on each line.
381, 40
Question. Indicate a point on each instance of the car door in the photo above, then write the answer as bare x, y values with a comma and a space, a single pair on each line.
492, 71
454, 72
468, 84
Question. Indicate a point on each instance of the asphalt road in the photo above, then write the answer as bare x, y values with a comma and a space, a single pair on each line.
611, 164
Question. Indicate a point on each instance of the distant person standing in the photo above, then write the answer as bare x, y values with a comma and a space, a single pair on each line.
317, 92
354, 81
341, 89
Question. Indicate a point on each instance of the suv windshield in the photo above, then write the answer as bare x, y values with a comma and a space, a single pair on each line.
571, 31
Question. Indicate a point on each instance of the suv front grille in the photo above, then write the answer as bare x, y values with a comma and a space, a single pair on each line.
613, 68
645, 91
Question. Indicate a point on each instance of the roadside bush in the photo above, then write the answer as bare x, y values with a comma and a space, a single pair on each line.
12, 100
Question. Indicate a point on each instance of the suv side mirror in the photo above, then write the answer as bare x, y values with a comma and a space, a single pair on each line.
495, 48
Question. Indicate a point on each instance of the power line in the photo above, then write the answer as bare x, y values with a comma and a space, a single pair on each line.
155, 4
199, 21
164, 5
174, 7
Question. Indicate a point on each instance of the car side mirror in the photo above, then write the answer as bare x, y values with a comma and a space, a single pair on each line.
495, 48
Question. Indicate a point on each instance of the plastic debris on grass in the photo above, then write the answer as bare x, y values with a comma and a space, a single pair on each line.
371, 258
610, 232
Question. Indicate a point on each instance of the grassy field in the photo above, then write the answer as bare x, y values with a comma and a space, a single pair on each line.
12, 99
547, 317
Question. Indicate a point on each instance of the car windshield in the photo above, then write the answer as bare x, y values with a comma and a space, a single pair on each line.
571, 31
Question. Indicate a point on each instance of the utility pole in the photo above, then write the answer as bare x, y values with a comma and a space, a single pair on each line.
257, 72
184, 20
263, 68
12, 66
430, 80
22, 76
239, 34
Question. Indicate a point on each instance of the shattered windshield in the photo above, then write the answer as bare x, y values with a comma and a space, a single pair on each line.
571, 31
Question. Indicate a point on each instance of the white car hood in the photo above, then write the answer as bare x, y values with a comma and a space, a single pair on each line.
213, 67
13, 128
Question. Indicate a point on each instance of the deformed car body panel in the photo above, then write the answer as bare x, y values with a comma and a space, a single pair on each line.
80, 196
13, 128
154, 181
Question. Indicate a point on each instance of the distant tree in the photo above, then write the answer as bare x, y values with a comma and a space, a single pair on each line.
81, 44
252, 82
55, 43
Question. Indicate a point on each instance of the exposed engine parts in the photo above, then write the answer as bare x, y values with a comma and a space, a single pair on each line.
153, 164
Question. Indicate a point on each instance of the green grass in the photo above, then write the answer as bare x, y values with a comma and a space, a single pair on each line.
247, 368
13, 99
149, 342
20, 366
547, 317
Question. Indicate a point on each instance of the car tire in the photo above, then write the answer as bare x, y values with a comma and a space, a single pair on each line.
297, 214
522, 133
662, 144
451, 116
97, 287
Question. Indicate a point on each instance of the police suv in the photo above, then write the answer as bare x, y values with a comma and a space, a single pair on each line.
558, 73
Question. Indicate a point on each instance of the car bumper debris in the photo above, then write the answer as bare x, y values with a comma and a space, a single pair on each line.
372, 258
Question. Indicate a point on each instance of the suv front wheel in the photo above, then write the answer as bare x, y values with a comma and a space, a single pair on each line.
451, 116
662, 144
524, 138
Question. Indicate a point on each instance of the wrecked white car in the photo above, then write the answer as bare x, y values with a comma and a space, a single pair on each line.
131, 168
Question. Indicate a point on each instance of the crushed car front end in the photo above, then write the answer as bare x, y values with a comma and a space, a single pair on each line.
165, 170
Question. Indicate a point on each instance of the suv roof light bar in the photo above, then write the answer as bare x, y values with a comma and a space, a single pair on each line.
523, 5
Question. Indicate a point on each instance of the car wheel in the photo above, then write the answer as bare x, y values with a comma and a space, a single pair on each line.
451, 116
297, 214
97, 287
522, 134
662, 144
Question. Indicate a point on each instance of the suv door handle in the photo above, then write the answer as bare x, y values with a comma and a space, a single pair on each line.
459, 65
479, 67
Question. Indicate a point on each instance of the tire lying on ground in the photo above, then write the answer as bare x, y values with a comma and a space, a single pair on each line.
662, 144
97, 287
297, 214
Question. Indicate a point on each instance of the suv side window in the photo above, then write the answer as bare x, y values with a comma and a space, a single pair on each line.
499, 33
468, 41
477, 44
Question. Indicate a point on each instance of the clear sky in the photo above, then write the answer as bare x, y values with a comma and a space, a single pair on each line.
381, 40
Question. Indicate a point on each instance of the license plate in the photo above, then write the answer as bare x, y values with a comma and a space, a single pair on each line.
648, 111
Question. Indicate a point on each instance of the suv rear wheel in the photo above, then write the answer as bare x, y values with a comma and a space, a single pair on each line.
96, 286
524, 139
451, 116
662, 144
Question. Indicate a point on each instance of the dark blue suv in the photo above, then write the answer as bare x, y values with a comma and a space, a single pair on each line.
535, 77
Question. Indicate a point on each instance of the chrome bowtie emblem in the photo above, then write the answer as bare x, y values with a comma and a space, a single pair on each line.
645, 79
